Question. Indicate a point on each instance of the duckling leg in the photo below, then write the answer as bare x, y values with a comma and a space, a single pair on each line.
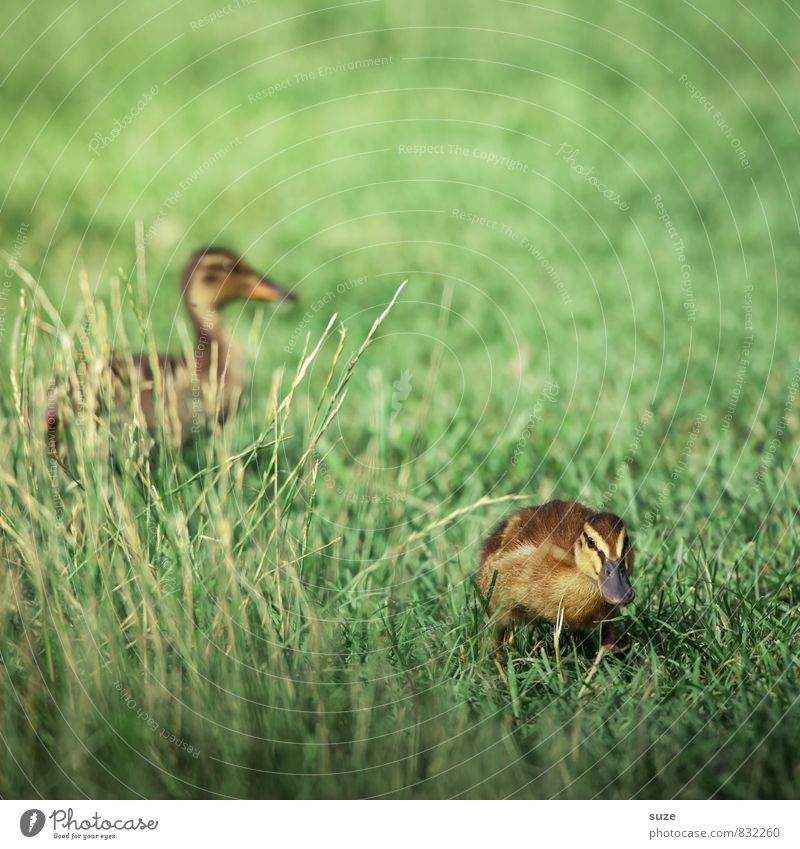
503, 636
608, 631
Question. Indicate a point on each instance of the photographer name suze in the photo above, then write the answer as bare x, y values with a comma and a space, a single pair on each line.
65, 820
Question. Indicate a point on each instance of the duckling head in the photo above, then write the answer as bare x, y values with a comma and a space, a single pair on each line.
213, 277
603, 552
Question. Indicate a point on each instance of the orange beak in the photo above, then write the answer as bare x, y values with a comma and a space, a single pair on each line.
267, 290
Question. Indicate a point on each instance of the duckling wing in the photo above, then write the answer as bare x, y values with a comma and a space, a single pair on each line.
556, 523
560, 522
138, 367
133, 378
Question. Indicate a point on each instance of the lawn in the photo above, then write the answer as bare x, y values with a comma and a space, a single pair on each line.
594, 209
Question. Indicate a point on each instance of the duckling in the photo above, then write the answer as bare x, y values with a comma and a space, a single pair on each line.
206, 385
559, 555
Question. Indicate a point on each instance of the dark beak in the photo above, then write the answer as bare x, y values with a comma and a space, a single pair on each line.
614, 584
268, 290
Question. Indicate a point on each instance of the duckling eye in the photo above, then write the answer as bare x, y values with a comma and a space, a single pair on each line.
215, 271
590, 543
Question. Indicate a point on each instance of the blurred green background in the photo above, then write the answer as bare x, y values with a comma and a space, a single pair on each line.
599, 198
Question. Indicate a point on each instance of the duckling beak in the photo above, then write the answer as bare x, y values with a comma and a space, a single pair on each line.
268, 290
614, 584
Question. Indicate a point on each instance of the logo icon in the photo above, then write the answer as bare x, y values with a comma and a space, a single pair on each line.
402, 389
31, 822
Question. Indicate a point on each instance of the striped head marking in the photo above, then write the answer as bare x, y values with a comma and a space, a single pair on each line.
215, 276
603, 552
603, 537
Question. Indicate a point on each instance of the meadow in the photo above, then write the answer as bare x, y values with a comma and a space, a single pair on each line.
594, 208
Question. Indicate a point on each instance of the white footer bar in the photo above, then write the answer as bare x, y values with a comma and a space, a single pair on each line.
401, 825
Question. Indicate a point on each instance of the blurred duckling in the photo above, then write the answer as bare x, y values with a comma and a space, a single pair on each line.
207, 384
558, 556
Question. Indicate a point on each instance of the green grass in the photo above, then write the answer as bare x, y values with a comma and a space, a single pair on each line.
292, 600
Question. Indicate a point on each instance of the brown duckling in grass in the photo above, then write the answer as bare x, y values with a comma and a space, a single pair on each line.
559, 556
206, 384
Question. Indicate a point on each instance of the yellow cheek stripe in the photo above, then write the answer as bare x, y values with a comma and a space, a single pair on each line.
620, 543
585, 559
598, 540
